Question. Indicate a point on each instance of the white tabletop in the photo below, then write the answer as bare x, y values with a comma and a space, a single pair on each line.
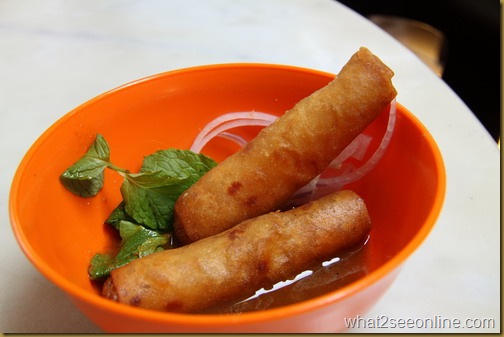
57, 54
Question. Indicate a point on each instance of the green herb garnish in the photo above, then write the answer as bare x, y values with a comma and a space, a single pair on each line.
85, 177
151, 194
118, 214
136, 242
145, 216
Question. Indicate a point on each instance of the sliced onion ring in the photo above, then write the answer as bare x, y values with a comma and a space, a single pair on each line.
319, 186
372, 161
229, 121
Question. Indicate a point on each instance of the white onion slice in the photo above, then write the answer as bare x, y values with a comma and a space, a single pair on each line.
232, 137
319, 186
229, 121
356, 149
363, 170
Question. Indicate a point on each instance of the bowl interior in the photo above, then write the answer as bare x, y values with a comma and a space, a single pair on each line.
60, 232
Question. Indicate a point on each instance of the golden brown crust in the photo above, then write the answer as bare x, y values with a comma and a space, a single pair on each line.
231, 266
288, 154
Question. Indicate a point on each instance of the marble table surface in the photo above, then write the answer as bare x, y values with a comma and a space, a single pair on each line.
57, 54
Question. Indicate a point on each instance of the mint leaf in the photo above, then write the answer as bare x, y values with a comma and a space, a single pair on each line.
118, 214
85, 177
136, 242
149, 196
178, 163
101, 266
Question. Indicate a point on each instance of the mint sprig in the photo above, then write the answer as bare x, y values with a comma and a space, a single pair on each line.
136, 242
149, 196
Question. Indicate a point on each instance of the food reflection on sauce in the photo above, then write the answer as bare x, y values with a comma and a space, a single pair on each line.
329, 276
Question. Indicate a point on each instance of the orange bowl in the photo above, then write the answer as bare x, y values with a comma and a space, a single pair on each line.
59, 232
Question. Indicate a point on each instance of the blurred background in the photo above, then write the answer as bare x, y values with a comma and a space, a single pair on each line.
459, 39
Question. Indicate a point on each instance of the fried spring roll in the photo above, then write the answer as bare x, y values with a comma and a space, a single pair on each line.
232, 265
349, 268
288, 154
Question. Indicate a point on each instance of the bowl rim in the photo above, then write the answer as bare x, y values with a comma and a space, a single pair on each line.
223, 319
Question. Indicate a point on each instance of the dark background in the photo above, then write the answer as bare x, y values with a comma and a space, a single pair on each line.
472, 53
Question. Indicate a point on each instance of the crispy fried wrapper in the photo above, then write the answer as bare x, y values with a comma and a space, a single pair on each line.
231, 266
288, 154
